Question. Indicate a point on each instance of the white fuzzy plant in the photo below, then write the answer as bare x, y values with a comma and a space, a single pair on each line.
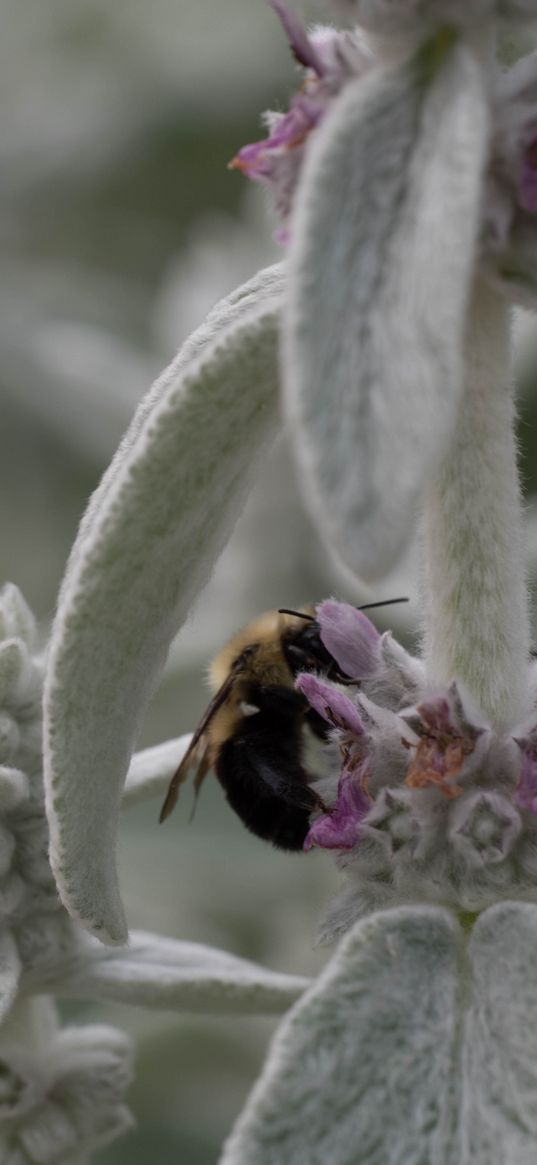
406, 175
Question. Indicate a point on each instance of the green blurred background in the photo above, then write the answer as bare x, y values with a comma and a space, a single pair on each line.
119, 228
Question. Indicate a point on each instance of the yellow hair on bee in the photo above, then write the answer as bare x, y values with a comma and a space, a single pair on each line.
267, 664
252, 732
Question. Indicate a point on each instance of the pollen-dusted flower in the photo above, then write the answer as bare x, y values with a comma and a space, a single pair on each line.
427, 792
440, 755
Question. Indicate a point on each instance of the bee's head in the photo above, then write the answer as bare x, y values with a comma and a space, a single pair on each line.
304, 650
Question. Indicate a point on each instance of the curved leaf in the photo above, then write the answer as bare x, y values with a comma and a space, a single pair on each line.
383, 250
167, 974
360, 1071
147, 544
267, 284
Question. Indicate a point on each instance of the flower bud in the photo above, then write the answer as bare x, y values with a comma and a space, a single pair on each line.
484, 827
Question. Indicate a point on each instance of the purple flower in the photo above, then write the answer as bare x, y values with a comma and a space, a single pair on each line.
276, 161
330, 58
334, 706
302, 46
340, 828
351, 638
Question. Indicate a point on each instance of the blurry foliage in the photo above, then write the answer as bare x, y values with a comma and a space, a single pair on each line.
119, 227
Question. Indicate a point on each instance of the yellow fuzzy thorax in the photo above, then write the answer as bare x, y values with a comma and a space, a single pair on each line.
267, 665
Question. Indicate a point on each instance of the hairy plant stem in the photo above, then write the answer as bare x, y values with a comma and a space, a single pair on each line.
476, 605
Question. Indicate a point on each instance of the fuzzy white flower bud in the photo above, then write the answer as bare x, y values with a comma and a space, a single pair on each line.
484, 827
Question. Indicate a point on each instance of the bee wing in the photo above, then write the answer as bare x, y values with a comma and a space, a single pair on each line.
198, 749
202, 770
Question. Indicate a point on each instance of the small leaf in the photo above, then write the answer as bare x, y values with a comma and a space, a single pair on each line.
166, 974
151, 770
157, 523
382, 258
360, 1071
14, 786
13, 667
16, 618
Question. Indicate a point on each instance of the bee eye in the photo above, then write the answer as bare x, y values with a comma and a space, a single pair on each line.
298, 658
248, 709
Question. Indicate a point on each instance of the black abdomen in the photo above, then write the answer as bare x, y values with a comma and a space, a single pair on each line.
260, 768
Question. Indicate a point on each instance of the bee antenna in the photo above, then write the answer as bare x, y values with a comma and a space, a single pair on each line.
384, 603
297, 614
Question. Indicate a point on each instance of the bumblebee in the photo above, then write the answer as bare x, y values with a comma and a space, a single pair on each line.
253, 733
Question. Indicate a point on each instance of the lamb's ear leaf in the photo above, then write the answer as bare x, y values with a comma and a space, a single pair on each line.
381, 262
361, 1068
260, 290
151, 535
164, 973
151, 770
501, 1037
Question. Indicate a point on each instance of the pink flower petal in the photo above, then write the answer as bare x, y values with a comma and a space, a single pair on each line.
331, 59
301, 45
351, 638
336, 708
276, 160
340, 829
